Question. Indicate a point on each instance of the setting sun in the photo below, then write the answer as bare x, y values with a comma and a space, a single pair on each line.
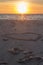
22, 7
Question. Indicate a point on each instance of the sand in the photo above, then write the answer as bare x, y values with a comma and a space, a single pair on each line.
27, 35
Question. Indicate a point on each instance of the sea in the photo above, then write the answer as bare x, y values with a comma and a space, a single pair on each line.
22, 16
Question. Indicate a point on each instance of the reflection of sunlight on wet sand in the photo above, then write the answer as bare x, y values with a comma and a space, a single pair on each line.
22, 17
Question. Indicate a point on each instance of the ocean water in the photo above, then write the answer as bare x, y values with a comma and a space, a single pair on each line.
20, 17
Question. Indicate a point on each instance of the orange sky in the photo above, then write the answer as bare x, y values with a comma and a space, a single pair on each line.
10, 8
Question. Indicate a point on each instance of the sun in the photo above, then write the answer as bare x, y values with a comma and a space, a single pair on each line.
22, 7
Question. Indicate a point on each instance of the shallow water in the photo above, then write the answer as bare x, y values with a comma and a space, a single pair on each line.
20, 16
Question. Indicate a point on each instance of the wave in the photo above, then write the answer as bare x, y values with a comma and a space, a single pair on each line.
20, 17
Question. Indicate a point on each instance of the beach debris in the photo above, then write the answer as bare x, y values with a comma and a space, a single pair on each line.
38, 58
28, 52
15, 50
3, 62
25, 59
5, 39
21, 60
28, 57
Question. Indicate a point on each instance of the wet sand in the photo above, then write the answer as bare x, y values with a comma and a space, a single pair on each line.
27, 35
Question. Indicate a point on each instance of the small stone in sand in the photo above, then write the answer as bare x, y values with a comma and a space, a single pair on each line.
5, 39
15, 50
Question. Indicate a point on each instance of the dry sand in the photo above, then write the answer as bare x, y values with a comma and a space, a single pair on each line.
27, 35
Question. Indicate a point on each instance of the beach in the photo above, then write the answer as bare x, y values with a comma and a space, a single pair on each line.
24, 34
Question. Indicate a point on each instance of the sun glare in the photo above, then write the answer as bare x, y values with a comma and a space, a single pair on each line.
22, 7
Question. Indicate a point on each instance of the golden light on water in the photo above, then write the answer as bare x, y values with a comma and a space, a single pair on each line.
22, 7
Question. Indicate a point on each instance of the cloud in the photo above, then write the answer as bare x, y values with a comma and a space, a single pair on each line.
10, 0
32, 1
36, 1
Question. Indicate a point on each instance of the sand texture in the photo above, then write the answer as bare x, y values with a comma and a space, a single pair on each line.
26, 35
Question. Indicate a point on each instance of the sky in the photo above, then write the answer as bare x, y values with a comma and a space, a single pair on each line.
9, 6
